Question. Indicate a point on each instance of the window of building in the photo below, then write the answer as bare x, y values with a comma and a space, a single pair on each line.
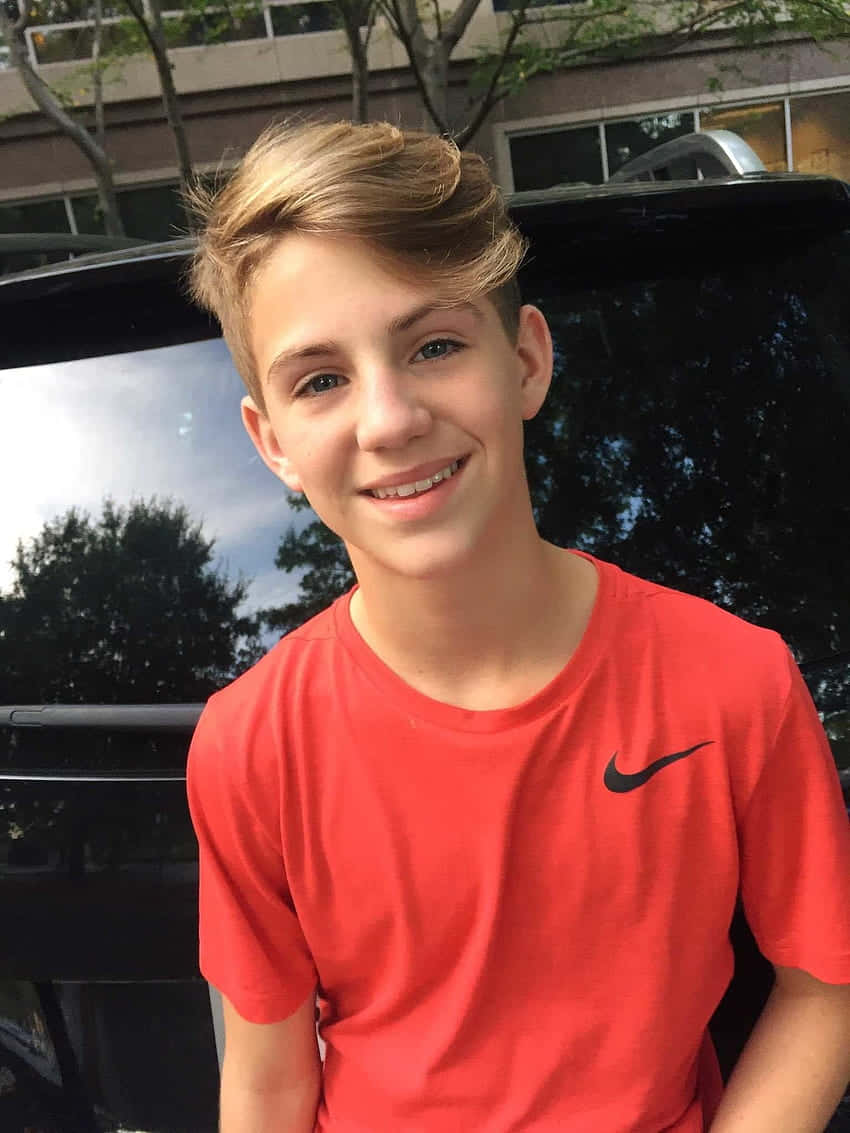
42, 216
507, 5
153, 213
297, 19
627, 140
557, 157
820, 134
214, 25
64, 30
762, 128
150, 213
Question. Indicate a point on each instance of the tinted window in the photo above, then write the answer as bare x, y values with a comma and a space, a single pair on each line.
698, 424
126, 469
140, 539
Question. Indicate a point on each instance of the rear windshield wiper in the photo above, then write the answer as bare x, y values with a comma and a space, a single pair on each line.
104, 717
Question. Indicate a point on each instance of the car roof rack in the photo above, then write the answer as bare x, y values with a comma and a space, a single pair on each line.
72, 243
700, 156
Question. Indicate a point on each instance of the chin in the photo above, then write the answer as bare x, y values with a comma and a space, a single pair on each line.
441, 560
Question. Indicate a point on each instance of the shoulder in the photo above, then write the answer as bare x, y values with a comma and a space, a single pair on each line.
245, 723
701, 640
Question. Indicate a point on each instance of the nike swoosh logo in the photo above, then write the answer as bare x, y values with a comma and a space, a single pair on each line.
619, 782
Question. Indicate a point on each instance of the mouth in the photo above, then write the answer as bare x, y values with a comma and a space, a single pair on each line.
418, 487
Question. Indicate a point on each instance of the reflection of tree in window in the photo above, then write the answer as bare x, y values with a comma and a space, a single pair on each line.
627, 140
696, 432
125, 609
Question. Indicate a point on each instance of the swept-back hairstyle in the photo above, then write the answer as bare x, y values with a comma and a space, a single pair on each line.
426, 209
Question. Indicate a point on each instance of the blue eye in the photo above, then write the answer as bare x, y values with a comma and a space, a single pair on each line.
321, 383
436, 349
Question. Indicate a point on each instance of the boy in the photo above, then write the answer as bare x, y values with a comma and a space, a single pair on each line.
496, 804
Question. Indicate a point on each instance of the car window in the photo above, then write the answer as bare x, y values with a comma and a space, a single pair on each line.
698, 427
696, 433
137, 544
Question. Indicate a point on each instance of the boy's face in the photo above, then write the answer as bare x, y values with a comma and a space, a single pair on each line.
372, 392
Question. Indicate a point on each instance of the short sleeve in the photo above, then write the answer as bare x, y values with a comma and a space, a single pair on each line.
795, 847
251, 945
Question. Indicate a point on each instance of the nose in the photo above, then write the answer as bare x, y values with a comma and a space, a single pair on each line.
390, 411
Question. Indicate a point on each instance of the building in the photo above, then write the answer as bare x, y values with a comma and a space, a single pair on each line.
790, 100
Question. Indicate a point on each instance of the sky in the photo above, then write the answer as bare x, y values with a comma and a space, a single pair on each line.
159, 423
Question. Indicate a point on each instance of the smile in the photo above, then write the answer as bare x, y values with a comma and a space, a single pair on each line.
417, 487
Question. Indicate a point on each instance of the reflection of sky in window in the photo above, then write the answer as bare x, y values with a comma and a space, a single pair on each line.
159, 423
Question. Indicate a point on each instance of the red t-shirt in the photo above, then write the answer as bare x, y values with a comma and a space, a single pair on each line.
510, 927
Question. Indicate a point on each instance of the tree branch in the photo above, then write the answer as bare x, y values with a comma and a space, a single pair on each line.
52, 109
457, 25
391, 9
438, 19
490, 97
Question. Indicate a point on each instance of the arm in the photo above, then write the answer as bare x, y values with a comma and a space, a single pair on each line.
796, 1064
271, 1077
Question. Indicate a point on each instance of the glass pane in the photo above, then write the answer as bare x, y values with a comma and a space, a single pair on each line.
761, 127
297, 19
820, 133
152, 214
55, 45
42, 216
697, 430
557, 157
214, 25
508, 5
88, 215
627, 140
69, 11
131, 609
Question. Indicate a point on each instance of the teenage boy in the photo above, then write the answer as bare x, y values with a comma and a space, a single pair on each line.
495, 805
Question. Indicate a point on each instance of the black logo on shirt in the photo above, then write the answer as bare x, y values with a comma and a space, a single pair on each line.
619, 782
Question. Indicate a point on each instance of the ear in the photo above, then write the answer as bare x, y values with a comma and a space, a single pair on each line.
534, 351
259, 429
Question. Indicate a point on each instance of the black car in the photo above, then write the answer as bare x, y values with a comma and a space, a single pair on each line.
697, 433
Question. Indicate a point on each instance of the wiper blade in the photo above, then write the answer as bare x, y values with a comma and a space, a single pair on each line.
105, 717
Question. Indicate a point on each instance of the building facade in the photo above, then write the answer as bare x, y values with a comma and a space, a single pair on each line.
790, 100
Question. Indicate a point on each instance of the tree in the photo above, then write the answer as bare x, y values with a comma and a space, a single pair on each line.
14, 18
123, 609
538, 39
126, 608
321, 556
357, 19
153, 31
145, 16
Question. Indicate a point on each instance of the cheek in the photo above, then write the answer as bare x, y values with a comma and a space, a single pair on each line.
316, 460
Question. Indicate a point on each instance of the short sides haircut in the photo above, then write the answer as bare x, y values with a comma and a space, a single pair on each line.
427, 209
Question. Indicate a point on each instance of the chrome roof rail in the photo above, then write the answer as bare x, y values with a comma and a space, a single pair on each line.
707, 154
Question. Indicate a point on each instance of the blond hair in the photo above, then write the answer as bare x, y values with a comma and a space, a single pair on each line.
425, 207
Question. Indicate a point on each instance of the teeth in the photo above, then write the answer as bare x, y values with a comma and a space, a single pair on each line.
418, 485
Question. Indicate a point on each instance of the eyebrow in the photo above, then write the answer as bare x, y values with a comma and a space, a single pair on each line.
396, 326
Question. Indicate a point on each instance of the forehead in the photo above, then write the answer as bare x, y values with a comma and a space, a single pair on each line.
298, 257
334, 286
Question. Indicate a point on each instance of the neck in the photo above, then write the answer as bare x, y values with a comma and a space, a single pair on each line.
489, 635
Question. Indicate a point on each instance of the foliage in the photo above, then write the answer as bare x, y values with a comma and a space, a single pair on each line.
321, 555
539, 38
124, 609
